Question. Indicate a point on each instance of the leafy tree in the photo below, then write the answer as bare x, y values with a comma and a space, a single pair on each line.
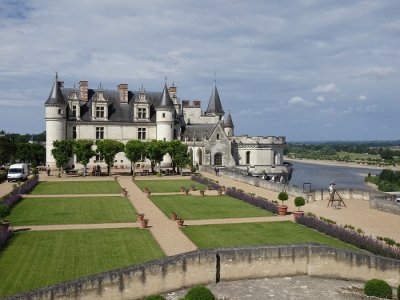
386, 154
155, 151
179, 154
134, 151
107, 150
84, 152
62, 152
7, 148
30, 152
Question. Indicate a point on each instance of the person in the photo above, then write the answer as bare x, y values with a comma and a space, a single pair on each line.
48, 170
216, 171
332, 189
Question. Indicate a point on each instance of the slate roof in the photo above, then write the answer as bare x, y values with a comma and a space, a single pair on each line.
198, 131
214, 105
117, 111
228, 120
56, 97
166, 101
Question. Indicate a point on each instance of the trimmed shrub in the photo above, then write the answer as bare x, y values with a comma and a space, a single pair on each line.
299, 201
199, 293
256, 201
155, 297
283, 196
378, 288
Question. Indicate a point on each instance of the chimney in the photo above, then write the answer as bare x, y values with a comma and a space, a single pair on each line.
83, 90
123, 92
61, 84
172, 92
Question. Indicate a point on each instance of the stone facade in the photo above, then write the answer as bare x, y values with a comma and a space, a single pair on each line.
125, 115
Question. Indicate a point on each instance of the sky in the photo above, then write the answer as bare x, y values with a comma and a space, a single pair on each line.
309, 70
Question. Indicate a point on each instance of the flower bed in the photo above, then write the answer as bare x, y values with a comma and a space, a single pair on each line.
207, 182
359, 240
256, 201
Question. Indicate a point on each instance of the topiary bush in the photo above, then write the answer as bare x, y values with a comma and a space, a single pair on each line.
199, 293
283, 196
155, 297
299, 201
378, 288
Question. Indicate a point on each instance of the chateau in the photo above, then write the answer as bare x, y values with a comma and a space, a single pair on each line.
123, 115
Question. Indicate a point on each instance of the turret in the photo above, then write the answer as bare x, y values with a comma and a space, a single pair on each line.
165, 115
56, 118
214, 105
228, 125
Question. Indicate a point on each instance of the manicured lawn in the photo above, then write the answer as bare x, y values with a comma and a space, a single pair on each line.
168, 186
207, 207
76, 187
80, 210
36, 259
250, 234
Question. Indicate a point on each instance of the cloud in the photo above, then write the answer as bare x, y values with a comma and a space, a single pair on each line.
376, 73
321, 98
361, 98
299, 101
394, 25
325, 88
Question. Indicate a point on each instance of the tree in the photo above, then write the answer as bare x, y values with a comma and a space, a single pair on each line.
84, 152
134, 151
386, 154
27, 152
155, 151
62, 152
107, 150
179, 154
7, 148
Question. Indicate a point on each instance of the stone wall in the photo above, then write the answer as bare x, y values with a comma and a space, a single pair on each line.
385, 203
215, 265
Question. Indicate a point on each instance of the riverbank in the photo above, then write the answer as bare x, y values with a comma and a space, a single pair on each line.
341, 164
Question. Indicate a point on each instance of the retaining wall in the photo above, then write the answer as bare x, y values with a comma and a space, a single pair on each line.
386, 203
208, 266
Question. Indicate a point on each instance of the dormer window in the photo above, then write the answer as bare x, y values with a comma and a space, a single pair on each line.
218, 137
142, 113
99, 112
74, 111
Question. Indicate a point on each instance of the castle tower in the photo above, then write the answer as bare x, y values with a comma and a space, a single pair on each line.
165, 115
214, 105
55, 113
228, 125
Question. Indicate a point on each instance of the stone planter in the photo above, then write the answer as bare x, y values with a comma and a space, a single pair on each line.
282, 210
186, 192
201, 193
219, 192
125, 193
180, 222
148, 193
298, 214
144, 223
140, 217
145, 190
174, 216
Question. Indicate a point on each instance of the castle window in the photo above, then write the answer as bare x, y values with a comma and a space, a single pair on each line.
99, 133
247, 157
60, 112
163, 115
142, 113
74, 132
141, 133
218, 137
74, 111
99, 112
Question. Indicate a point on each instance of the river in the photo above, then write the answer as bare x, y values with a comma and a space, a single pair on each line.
321, 175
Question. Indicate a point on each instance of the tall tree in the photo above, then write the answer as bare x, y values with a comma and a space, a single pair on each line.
155, 151
62, 152
107, 150
7, 148
134, 151
179, 154
27, 152
84, 152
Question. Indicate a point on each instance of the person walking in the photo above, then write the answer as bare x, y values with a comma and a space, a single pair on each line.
48, 170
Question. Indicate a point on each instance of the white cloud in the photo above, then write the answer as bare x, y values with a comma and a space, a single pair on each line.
376, 73
325, 88
321, 98
299, 101
361, 98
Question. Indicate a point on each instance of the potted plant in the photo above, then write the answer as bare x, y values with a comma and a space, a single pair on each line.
186, 192
124, 192
298, 202
174, 216
148, 193
183, 189
180, 222
144, 223
282, 209
139, 217
201, 192
192, 188
219, 192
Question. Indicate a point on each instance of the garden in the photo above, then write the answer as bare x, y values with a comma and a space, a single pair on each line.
168, 186
76, 187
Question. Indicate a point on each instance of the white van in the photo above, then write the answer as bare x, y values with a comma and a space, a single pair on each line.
17, 172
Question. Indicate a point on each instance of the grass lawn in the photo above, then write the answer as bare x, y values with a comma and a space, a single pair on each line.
250, 234
76, 187
207, 207
36, 259
168, 186
80, 210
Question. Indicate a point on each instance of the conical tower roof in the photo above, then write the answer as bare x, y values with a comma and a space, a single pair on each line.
166, 101
214, 105
56, 97
228, 120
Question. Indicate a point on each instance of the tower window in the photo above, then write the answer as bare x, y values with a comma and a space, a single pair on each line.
99, 112
74, 132
142, 113
99, 133
60, 111
141, 133
247, 157
74, 111
218, 137
163, 115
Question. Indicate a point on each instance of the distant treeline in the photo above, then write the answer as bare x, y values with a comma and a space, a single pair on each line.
24, 138
387, 180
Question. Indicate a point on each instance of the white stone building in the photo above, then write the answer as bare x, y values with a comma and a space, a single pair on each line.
125, 115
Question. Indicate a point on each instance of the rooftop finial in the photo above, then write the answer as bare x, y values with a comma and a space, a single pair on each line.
56, 76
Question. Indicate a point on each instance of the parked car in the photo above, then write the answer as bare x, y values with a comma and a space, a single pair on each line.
17, 172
